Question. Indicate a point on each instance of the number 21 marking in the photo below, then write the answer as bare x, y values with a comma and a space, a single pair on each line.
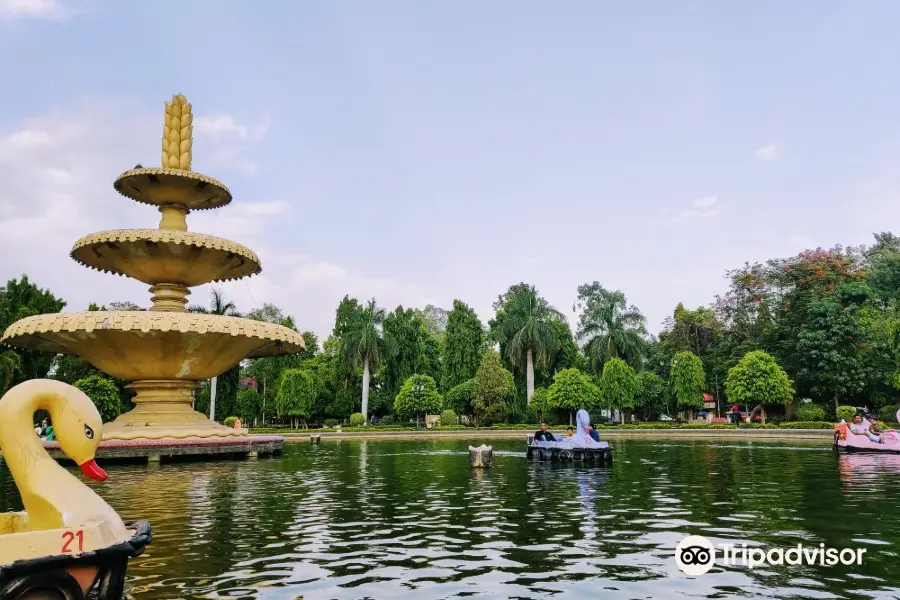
69, 537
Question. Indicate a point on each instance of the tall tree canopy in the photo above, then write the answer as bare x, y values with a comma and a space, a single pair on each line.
618, 385
21, 298
523, 326
415, 349
464, 342
687, 380
363, 345
494, 389
609, 327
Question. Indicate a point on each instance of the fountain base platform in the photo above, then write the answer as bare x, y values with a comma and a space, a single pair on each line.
182, 449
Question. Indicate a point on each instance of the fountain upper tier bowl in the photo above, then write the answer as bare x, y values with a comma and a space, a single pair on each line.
154, 345
161, 187
155, 256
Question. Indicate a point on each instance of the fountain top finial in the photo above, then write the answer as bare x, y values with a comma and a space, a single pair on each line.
178, 132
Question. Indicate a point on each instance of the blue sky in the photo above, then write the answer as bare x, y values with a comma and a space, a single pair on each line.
418, 152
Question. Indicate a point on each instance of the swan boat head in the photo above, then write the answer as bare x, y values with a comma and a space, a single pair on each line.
62, 514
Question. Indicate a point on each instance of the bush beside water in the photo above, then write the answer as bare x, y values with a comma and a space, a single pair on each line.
888, 413
448, 417
811, 412
845, 412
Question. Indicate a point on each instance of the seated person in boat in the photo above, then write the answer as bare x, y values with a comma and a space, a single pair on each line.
570, 432
542, 435
860, 428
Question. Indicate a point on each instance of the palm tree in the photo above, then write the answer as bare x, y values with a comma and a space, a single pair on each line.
364, 344
9, 362
611, 328
527, 331
218, 306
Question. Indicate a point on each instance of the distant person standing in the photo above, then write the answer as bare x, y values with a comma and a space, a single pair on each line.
735, 414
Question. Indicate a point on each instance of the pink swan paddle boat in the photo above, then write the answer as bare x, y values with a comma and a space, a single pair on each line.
845, 440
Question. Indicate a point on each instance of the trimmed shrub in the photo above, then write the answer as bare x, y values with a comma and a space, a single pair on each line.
332, 422
448, 417
889, 412
386, 420
103, 393
229, 421
807, 425
460, 397
811, 412
357, 419
845, 412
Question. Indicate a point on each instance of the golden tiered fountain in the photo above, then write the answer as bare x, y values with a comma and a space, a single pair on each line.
165, 351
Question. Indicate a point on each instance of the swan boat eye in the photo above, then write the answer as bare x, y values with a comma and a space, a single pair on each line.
88, 432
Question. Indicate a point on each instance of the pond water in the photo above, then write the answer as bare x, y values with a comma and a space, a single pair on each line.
409, 519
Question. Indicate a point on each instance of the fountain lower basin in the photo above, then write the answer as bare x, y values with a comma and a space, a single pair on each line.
151, 345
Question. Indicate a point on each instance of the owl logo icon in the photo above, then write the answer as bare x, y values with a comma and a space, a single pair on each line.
695, 555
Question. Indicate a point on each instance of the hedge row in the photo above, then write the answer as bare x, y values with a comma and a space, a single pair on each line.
521, 427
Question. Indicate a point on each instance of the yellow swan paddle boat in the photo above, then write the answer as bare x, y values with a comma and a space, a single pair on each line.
68, 542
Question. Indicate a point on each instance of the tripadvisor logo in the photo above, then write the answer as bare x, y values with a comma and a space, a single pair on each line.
696, 555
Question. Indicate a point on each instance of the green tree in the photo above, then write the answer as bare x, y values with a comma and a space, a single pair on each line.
460, 398
832, 342
9, 363
296, 395
435, 320
418, 396
651, 394
523, 327
618, 385
567, 356
249, 405
572, 390
363, 344
21, 298
757, 379
267, 372
609, 327
225, 384
103, 393
124, 306
494, 389
687, 380
416, 350
463, 344
540, 402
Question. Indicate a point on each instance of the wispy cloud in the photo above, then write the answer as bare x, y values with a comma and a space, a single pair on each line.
226, 125
48, 9
767, 153
701, 207
232, 138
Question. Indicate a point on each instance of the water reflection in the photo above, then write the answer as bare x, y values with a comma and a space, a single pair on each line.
410, 519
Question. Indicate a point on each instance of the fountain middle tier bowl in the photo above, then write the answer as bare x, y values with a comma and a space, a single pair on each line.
159, 187
154, 345
155, 256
